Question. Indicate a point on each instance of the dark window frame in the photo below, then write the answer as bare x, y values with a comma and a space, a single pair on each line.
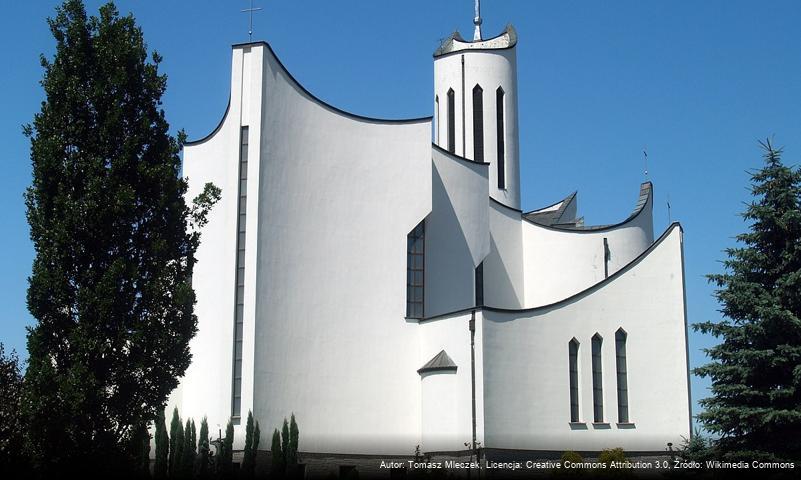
573, 360
501, 137
478, 123
451, 121
597, 379
622, 376
415, 271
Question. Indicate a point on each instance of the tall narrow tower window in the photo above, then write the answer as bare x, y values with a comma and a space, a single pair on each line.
436, 119
499, 94
480, 284
415, 271
236, 394
573, 348
622, 380
478, 124
451, 121
597, 380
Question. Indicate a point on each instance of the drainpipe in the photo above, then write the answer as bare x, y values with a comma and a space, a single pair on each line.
473, 378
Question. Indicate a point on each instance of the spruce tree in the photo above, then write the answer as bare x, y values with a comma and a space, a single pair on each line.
278, 466
202, 469
248, 453
755, 370
115, 241
161, 466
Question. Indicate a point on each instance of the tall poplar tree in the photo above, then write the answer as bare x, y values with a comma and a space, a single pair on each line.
115, 245
755, 405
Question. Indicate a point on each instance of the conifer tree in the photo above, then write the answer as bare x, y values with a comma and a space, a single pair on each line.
755, 370
278, 466
115, 241
175, 426
142, 447
285, 442
248, 453
202, 469
12, 458
189, 450
226, 457
161, 466
293, 441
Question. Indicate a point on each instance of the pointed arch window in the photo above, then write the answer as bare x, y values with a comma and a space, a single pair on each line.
415, 271
499, 102
478, 124
622, 380
573, 348
597, 380
451, 121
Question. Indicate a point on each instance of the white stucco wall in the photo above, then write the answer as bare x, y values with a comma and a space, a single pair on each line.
526, 390
457, 233
490, 69
446, 421
503, 271
559, 263
338, 195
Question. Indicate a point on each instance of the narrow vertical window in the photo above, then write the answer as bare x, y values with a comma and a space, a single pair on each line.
415, 271
451, 122
606, 258
478, 124
436, 119
501, 138
622, 381
236, 394
597, 380
573, 347
480, 284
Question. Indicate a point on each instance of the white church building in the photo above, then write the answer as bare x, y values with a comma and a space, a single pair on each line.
389, 289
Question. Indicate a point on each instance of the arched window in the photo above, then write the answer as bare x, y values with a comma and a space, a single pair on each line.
451, 122
478, 124
597, 380
415, 271
499, 94
573, 348
622, 381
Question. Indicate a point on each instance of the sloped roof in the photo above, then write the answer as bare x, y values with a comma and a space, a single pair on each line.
552, 214
441, 361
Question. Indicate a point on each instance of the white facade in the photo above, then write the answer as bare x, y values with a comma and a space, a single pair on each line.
310, 237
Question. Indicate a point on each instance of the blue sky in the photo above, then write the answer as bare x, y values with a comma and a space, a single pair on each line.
697, 83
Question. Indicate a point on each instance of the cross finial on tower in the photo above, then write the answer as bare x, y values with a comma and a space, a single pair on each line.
250, 12
477, 22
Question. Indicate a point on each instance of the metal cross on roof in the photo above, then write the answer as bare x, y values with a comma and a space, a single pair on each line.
250, 12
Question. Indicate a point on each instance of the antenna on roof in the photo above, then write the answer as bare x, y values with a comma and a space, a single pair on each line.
670, 220
250, 12
645, 156
477, 22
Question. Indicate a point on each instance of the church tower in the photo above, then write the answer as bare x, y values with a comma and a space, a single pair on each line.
475, 105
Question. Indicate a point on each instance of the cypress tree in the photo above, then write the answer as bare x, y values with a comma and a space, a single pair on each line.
248, 454
755, 370
256, 438
161, 466
226, 458
142, 446
189, 450
285, 442
175, 426
293, 441
202, 469
115, 241
278, 466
